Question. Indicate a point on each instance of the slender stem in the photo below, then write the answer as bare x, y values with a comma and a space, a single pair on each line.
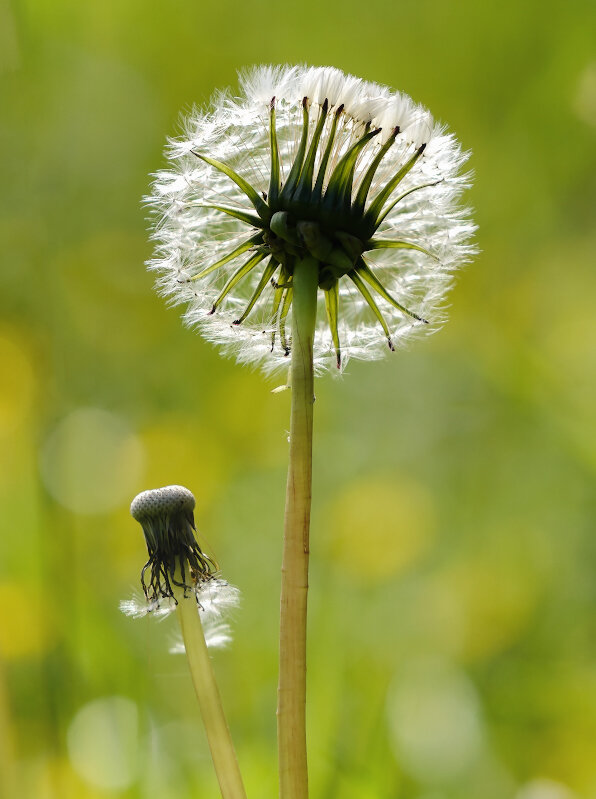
218, 733
291, 696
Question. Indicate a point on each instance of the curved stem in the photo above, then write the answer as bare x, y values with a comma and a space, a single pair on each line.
291, 697
216, 726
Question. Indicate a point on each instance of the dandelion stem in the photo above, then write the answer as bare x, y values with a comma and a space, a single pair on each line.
291, 697
218, 733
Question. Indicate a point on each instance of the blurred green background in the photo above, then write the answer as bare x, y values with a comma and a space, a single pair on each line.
453, 613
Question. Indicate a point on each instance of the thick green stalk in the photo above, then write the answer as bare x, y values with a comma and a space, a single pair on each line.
291, 696
218, 733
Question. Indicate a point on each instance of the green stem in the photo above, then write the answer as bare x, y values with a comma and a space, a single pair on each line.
218, 733
8, 778
291, 697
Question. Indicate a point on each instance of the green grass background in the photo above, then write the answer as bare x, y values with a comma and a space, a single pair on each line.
453, 612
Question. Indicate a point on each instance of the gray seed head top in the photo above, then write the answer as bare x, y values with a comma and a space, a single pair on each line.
161, 502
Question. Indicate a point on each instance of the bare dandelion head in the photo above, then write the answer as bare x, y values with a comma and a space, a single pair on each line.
166, 516
310, 162
176, 559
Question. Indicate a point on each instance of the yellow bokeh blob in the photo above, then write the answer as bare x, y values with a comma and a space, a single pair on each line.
186, 455
377, 527
26, 627
496, 597
56, 777
570, 752
242, 408
17, 382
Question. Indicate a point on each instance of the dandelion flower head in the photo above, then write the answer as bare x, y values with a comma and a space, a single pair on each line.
308, 162
176, 559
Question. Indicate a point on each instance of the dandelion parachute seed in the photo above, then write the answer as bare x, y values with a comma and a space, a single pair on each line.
308, 162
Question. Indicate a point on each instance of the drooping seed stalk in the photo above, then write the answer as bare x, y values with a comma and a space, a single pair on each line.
216, 726
291, 706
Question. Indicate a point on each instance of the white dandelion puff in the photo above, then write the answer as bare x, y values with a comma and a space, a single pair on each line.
311, 162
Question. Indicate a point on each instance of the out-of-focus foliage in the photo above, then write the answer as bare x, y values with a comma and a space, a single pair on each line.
453, 613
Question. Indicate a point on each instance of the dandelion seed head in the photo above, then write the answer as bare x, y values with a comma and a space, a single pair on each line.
311, 162
162, 502
175, 557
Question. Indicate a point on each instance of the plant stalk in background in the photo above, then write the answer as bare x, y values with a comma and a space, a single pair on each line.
181, 577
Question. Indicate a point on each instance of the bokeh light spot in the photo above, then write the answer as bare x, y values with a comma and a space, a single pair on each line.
91, 462
103, 742
434, 720
544, 789
585, 97
186, 455
17, 383
378, 527
26, 628
496, 590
